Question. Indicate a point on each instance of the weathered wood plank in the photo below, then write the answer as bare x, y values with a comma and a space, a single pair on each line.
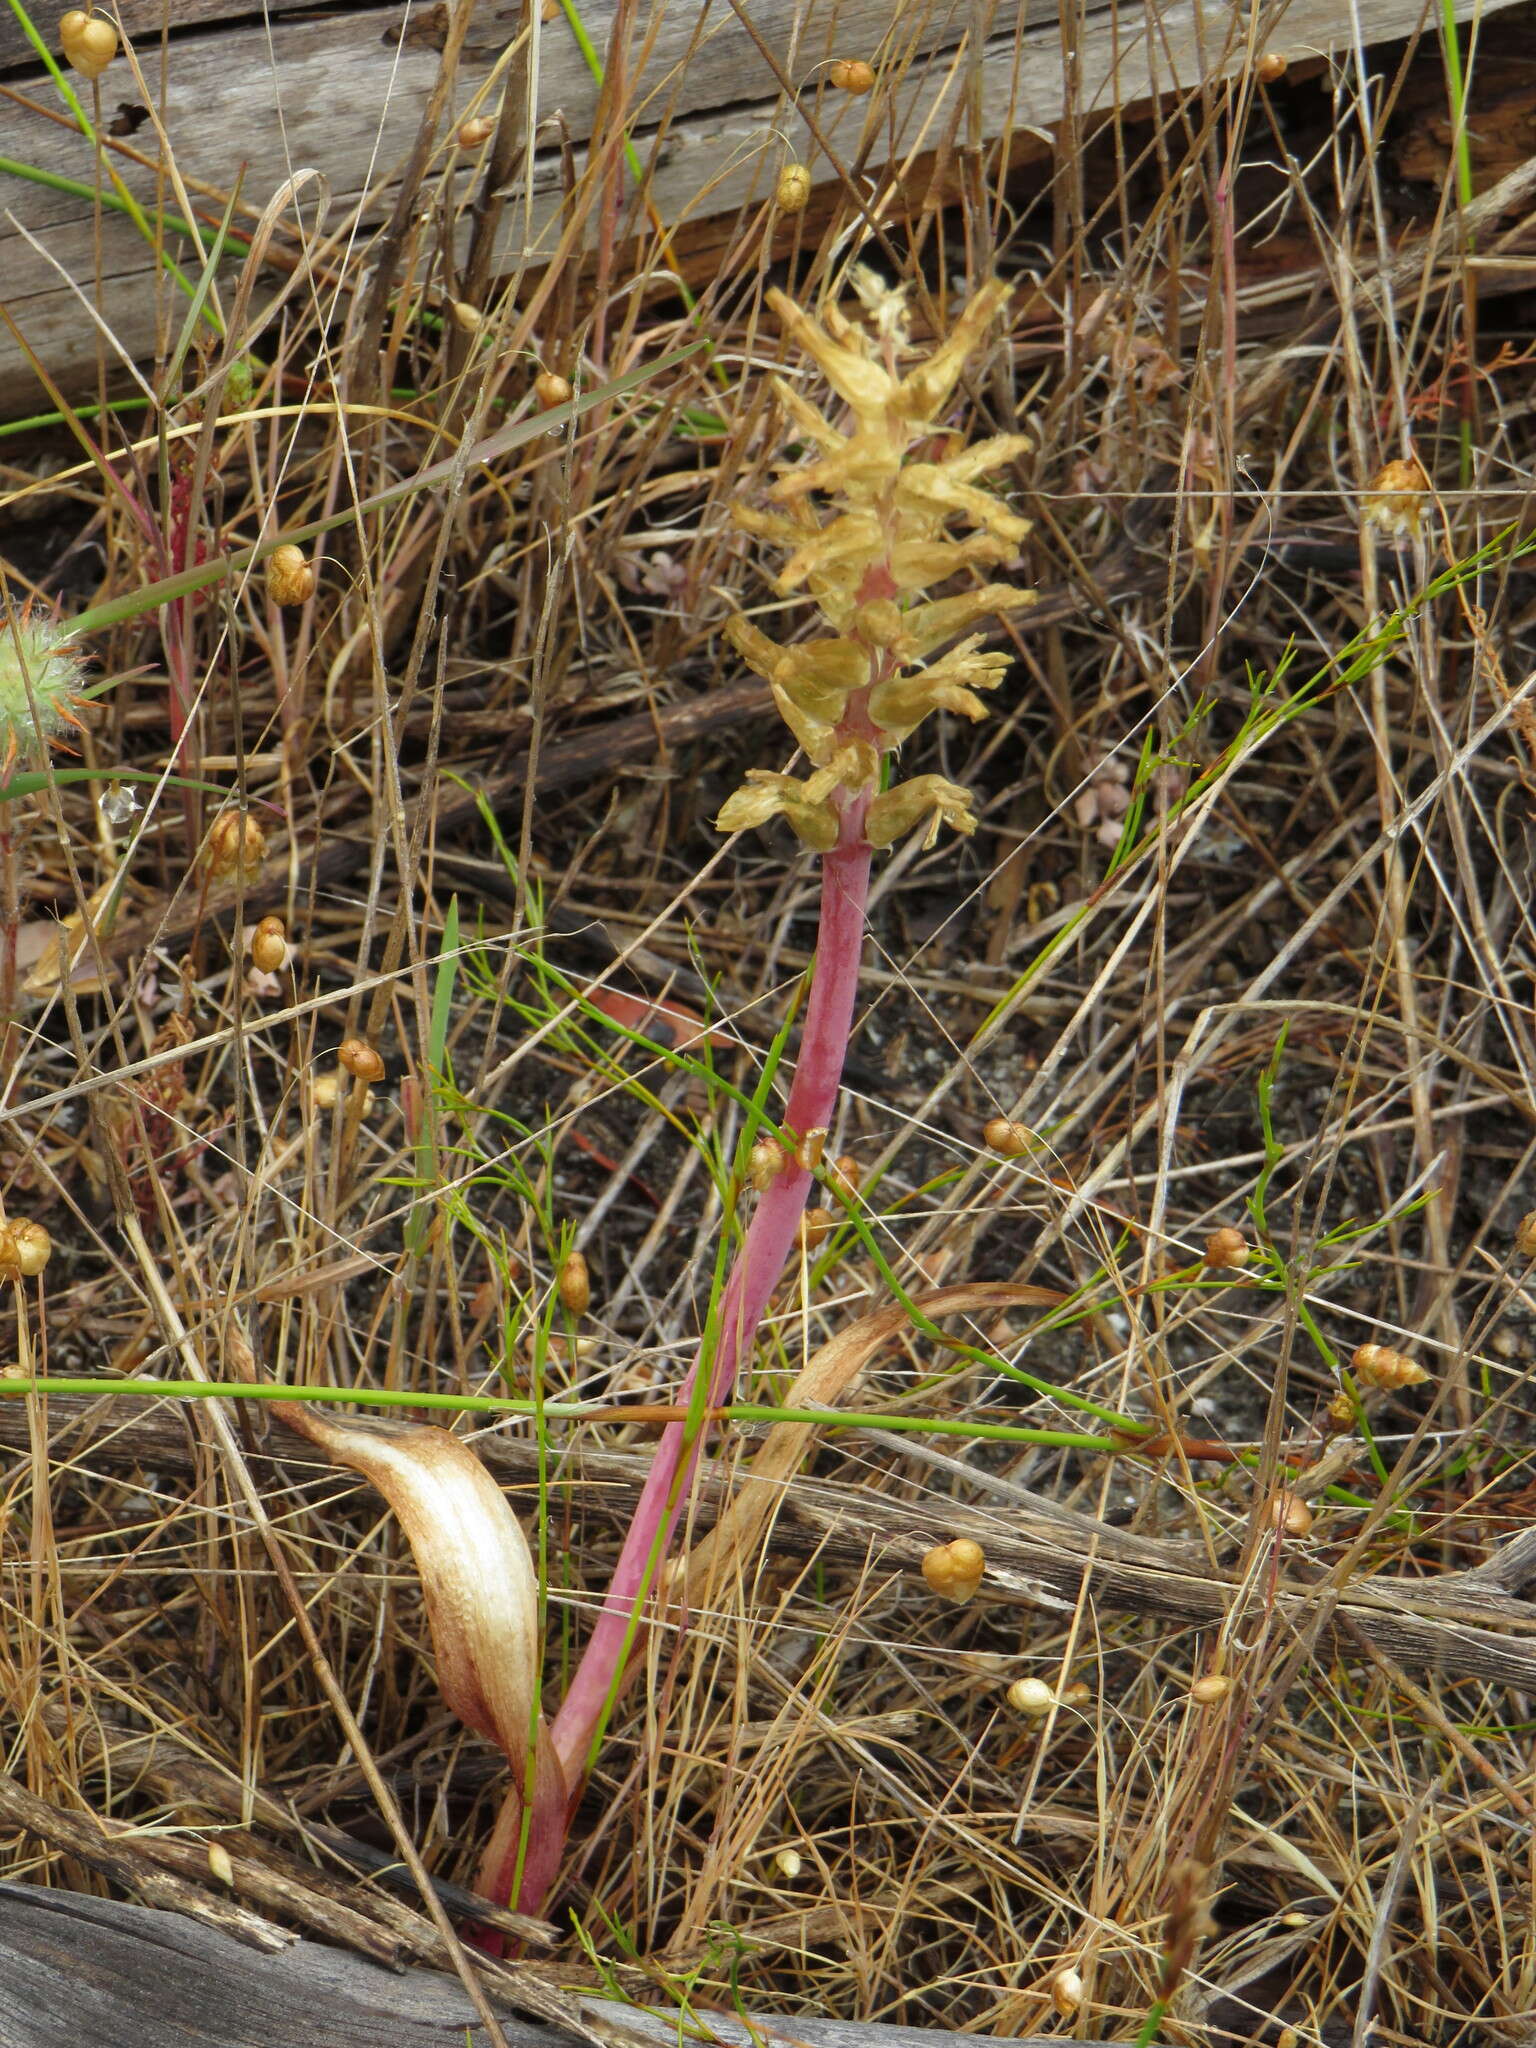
343, 95
78, 1970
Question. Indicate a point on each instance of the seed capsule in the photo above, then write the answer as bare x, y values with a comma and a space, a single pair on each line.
808, 1150
575, 1284
290, 577
1388, 1370
550, 388
269, 946
25, 1248
1271, 67
1525, 1236
360, 1059
235, 844
1066, 1992
787, 1863
1210, 1690
1225, 1248
765, 1162
1010, 1139
852, 74
844, 1174
1289, 1513
793, 189
954, 1570
815, 1225
1031, 1697
89, 41
478, 129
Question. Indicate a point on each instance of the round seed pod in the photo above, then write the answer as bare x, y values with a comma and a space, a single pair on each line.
1226, 1248
814, 1226
574, 1284
1210, 1690
1010, 1139
845, 1174
809, 1149
326, 1090
25, 1248
954, 1570
852, 74
360, 1060
765, 1162
290, 577
793, 189
1339, 1415
1289, 1513
1271, 67
89, 41
235, 844
1031, 1697
1379, 1366
787, 1863
1066, 1992
1525, 1236
550, 388
476, 131
269, 946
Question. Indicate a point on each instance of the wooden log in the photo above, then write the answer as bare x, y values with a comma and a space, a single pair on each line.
716, 109
79, 1970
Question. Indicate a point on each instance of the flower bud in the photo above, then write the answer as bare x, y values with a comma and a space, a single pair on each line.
954, 1570
852, 74
793, 189
550, 388
574, 1284
1031, 1697
235, 845
290, 577
360, 1059
1225, 1248
89, 41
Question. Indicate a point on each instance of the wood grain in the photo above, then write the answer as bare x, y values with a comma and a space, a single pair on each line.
343, 95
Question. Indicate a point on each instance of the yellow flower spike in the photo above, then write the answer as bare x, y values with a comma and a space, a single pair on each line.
816, 735
895, 813
900, 706
928, 487
928, 388
765, 795
865, 385
929, 625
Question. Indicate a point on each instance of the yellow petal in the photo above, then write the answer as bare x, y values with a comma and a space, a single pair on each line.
900, 808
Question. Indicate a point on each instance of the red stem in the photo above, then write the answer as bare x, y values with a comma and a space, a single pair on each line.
759, 1263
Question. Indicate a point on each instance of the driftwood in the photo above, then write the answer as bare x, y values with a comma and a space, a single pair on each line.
721, 98
91, 1973
1467, 1624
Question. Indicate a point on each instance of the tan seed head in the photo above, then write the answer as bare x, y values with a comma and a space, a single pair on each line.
1379, 1366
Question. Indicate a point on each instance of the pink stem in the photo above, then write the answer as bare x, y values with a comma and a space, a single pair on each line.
759, 1263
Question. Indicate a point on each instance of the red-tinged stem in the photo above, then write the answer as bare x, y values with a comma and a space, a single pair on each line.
759, 1264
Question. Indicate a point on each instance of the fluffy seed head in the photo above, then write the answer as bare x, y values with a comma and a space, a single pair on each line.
89, 41
290, 576
40, 677
954, 1570
361, 1060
